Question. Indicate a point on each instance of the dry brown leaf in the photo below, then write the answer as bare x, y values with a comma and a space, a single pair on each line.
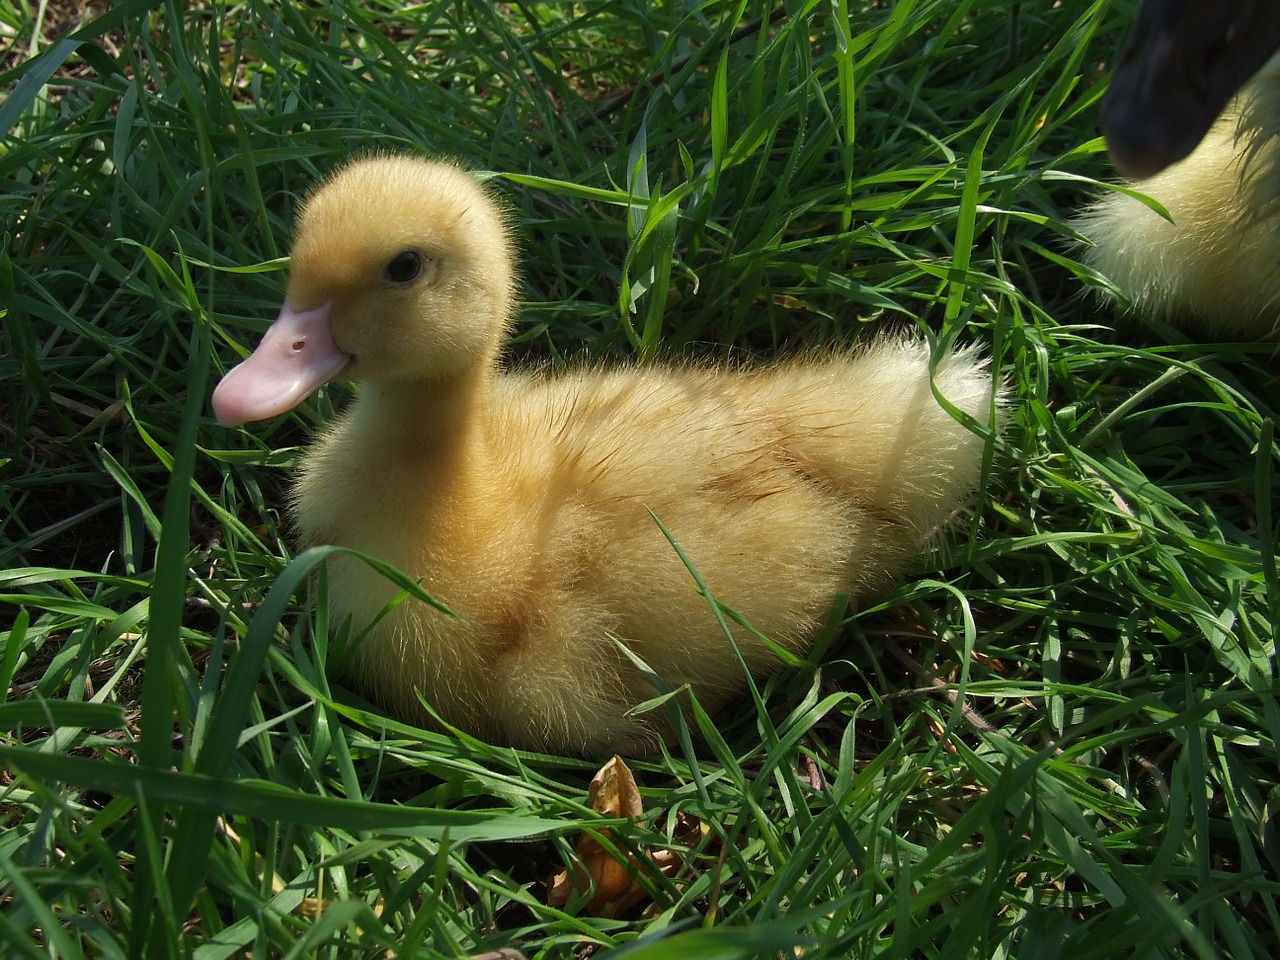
613, 793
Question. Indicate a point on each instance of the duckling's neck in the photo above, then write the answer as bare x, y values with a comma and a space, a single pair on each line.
408, 468
424, 421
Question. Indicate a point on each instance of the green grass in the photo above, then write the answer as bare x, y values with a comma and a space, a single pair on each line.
1059, 740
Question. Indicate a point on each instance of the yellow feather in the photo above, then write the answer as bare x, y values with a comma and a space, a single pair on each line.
1217, 263
522, 500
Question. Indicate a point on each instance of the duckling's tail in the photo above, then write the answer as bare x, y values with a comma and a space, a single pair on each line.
899, 436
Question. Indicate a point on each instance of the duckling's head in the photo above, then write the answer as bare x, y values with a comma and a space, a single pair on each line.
401, 269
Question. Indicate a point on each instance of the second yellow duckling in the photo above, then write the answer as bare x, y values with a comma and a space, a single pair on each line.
525, 501
1214, 262
1184, 61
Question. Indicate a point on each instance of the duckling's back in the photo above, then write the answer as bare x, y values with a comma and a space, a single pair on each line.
782, 488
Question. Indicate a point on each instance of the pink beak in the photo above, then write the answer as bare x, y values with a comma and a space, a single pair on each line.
297, 355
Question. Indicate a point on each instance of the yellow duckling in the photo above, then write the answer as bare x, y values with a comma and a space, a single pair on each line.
1179, 68
1216, 262
523, 501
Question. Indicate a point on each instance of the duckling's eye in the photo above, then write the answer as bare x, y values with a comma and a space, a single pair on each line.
404, 268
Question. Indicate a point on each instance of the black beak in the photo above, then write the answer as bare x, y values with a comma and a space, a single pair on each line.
1182, 64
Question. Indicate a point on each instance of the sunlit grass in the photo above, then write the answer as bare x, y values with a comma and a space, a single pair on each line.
1059, 740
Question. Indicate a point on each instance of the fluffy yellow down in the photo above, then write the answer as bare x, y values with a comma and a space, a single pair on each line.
1217, 264
523, 500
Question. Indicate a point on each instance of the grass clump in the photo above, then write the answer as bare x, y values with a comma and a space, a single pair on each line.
1059, 740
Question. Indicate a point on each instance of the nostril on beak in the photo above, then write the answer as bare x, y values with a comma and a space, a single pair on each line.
298, 345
